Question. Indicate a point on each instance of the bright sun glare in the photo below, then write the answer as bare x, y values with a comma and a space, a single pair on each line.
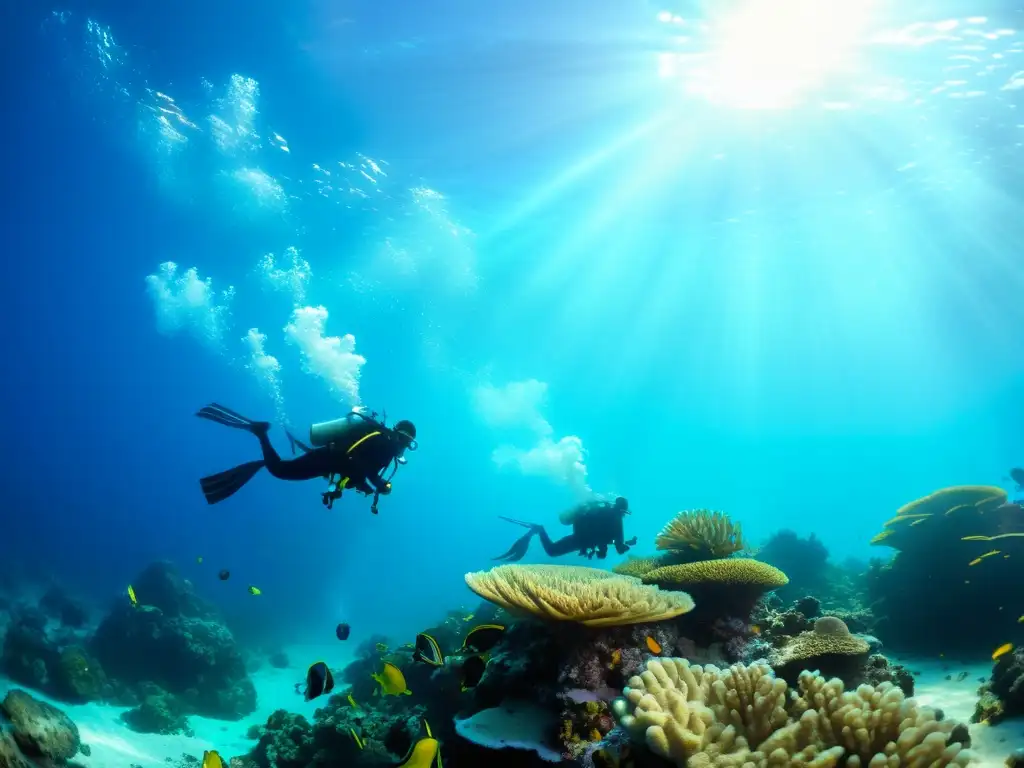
769, 54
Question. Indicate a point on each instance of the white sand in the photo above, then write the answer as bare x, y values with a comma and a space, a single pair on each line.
991, 744
113, 745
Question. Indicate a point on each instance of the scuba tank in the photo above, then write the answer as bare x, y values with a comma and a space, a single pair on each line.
327, 432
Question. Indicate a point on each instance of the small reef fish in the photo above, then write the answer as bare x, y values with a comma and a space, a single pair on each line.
391, 681
319, 681
211, 759
978, 559
355, 737
255, 590
428, 651
652, 645
342, 631
199, 559
224, 575
468, 618
472, 672
131, 596
1002, 650
423, 753
352, 702
1021, 620
754, 629
616, 659
961, 677
483, 637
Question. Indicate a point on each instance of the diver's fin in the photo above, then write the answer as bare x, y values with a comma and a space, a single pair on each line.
518, 550
297, 444
218, 487
229, 418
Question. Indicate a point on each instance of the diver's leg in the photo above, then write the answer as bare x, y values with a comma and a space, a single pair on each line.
295, 443
563, 546
218, 487
518, 550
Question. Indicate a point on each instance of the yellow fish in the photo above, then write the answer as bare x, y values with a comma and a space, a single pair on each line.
1002, 650
652, 645
131, 596
468, 618
391, 681
616, 659
255, 590
212, 760
355, 737
1020, 620
352, 702
423, 752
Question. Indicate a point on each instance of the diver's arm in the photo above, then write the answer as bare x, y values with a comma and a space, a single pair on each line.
380, 485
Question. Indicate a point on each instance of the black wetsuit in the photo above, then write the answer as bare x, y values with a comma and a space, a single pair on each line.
595, 525
357, 461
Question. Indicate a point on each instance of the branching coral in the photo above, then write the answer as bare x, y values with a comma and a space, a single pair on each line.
702, 532
708, 717
587, 596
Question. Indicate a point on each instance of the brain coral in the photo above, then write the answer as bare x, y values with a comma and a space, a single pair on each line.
706, 717
587, 596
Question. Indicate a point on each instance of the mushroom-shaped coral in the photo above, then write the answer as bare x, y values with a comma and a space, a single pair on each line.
725, 588
701, 534
587, 596
829, 647
638, 566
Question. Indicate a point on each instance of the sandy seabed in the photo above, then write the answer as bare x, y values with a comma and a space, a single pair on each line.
115, 746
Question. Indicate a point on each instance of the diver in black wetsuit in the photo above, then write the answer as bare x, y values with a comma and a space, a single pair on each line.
352, 452
595, 525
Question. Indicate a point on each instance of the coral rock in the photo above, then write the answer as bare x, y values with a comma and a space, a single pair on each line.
39, 729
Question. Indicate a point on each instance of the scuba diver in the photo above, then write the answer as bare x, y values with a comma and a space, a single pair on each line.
351, 452
595, 525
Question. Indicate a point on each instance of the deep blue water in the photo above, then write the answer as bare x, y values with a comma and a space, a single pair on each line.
803, 317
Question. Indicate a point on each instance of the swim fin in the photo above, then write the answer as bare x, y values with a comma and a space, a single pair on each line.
224, 484
229, 418
518, 550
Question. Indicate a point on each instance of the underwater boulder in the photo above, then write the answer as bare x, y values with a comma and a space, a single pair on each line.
28, 655
39, 729
58, 605
161, 586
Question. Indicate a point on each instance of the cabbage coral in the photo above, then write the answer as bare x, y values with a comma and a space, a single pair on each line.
701, 533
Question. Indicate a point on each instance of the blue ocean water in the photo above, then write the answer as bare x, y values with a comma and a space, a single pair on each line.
559, 253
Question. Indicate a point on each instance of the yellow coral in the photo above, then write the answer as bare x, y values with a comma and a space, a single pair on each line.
587, 596
707, 533
830, 637
946, 499
733, 571
705, 717
637, 566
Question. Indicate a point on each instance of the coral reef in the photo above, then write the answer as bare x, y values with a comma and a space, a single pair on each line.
743, 716
979, 540
1003, 694
828, 647
175, 641
38, 734
700, 534
587, 596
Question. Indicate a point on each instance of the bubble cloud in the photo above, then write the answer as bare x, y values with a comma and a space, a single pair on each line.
189, 303
331, 358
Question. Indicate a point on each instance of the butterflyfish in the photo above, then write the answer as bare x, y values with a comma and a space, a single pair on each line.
319, 680
483, 637
472, 672
391, 681
211, 759
428, 651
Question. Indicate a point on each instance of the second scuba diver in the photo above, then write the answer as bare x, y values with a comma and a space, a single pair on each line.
350, 452
595, 525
